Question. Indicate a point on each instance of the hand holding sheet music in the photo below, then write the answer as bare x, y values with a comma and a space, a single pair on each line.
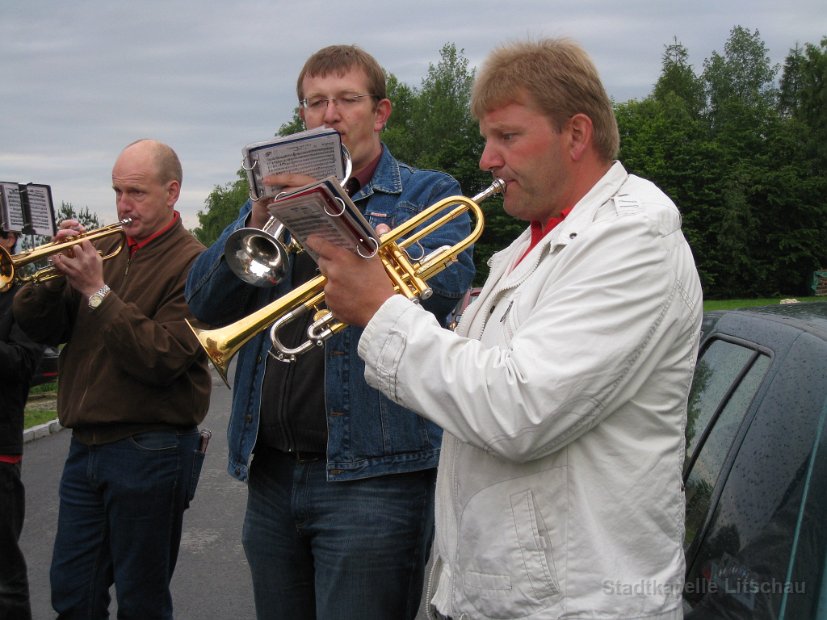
318, 153
325, 209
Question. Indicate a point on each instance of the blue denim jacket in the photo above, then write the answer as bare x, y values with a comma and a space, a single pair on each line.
368, 434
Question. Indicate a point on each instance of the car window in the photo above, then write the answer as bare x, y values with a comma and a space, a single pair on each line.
726, 380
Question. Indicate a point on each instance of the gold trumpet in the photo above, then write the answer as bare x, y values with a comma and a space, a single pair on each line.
408, 277
10, 264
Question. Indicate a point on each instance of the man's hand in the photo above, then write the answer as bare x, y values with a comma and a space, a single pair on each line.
356, 287
83, 267
80, 263
288, 182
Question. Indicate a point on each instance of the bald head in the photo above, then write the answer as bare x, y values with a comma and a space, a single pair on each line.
166, 164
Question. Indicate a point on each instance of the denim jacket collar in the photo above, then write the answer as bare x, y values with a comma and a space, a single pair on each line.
387, 179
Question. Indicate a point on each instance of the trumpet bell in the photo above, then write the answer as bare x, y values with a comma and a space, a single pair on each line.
256, 257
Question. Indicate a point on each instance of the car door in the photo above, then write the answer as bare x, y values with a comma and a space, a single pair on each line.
754, 471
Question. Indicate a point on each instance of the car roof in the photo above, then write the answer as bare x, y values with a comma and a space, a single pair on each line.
808, 317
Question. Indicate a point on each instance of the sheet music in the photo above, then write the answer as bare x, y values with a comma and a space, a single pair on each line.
12, 207
41, 210
324, 209
315, 152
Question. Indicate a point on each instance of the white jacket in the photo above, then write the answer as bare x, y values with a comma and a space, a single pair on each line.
559, 488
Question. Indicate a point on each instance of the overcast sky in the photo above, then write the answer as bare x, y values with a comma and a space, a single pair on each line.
82, 79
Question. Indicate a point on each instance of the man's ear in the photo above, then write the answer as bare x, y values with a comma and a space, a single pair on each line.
382, 114
173, 192
580, 131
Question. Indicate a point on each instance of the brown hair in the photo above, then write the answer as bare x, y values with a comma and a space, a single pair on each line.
340, 59
555, 75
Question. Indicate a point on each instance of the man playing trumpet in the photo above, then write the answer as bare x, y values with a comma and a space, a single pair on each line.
340, 505
563, 393
134, 384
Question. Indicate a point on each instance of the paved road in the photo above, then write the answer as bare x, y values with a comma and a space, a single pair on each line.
211, 581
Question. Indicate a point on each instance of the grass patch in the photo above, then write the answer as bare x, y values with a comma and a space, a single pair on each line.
41, 406
35, 417
44, 388
734, 304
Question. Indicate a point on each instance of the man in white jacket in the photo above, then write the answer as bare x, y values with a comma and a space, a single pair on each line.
563, 392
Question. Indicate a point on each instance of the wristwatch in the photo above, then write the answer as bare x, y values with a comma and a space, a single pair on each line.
96, 298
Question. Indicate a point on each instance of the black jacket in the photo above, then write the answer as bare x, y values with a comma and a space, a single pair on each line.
18, 361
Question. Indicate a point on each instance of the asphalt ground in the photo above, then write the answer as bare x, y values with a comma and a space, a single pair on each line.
212, 578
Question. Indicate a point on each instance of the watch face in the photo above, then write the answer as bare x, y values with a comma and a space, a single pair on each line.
95, 300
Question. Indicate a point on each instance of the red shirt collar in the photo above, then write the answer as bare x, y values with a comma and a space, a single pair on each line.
135, 245
358, 181
540, 230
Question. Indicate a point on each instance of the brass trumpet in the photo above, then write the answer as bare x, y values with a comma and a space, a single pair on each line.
259, 255
11, 264
408, 277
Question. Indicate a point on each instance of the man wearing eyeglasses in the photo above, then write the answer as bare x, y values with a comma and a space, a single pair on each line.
340, 505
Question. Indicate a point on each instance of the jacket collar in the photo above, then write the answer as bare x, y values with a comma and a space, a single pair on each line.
581, 215
386, 178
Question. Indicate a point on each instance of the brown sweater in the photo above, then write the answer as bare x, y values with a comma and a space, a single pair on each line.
132, 364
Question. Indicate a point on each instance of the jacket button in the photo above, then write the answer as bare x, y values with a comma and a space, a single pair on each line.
248, 419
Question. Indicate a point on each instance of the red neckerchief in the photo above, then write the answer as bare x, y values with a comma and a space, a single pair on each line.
538, 230
135, 245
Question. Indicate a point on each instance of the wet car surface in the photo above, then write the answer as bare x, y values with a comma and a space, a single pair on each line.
756, 466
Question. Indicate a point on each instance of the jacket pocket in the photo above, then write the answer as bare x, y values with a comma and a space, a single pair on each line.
506, 556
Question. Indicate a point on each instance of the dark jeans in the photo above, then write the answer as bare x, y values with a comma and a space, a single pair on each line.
336, 550
14, 585
121, 510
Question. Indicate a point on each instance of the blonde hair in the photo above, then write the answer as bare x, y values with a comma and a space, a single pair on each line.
556, 76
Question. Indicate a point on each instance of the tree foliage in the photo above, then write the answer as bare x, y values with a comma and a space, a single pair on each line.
221, 208
86, 218
741, 147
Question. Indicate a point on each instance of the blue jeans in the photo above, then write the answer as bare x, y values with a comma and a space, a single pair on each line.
121, 509
343, 550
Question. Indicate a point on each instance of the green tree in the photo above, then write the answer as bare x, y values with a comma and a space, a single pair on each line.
87, 218
741, 116
804, 97
295, 125
742, 74
221, 208
677, 79
447, 137
398, 133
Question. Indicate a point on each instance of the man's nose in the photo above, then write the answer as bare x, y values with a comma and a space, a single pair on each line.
331, 112
490, 160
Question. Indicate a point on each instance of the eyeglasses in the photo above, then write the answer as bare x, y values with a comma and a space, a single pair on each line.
319, 104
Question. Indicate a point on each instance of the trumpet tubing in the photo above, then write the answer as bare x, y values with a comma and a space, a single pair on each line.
221, 344
409, 278
10, 264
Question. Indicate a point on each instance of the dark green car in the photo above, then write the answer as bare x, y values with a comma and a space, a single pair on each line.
756, 466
